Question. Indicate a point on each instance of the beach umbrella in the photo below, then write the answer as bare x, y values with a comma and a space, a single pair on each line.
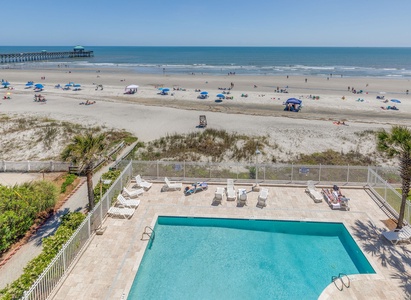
221, 96
293, 101
395, 101
29, 84
39, 85
204, 93
6, 83
77, 85
165, 90
132, 86
68, 84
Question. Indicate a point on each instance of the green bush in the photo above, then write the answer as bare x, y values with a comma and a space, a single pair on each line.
69, 179
110, 175
51, 246
20, 205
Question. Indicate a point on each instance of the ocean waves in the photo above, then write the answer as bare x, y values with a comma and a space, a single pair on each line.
264, 61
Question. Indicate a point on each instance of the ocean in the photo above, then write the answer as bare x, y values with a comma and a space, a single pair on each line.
281, 61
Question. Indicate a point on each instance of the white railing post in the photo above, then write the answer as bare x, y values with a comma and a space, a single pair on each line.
292, 170
157, 171
348, 173
184, 170
64, 258
28, 166
88, 227
368, 176
385, 191
319, 174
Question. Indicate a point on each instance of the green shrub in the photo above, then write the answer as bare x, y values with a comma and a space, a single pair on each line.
20, 205
69, 179
51, 246
110, 175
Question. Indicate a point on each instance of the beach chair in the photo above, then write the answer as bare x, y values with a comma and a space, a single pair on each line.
219, 194
331, 200
262, 198
120, 212
242, 197
230, 190
127, 203
313, 193
142, 183
398, 235
133, 193
173, 185
203, 121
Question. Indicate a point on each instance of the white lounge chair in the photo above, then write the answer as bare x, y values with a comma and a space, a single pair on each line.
121, 212
219, 194
127, 203
173, 185
262, 198
332, 202
314, 194
142, 183
242, 197
230, 190
398, 235
132, 193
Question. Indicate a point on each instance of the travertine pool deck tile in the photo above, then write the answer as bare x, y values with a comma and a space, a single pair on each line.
107, 267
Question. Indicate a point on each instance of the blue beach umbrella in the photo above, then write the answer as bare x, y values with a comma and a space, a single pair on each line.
68, 84
395, 101
204, 93
6, 83
165, 89
29, 84
221, 96
293, 101
77, 85
39, 85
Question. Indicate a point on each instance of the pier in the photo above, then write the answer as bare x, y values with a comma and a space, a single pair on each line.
77, 52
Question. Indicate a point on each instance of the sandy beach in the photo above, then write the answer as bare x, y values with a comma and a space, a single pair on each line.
149, 115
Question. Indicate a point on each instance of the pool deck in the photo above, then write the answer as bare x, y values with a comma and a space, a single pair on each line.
107, 267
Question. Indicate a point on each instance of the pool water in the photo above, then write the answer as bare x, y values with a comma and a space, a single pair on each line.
207, 258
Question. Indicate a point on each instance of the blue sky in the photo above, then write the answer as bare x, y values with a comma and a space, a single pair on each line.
207, 23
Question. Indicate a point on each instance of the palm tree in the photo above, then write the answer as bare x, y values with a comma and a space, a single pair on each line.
398, 144
84, 151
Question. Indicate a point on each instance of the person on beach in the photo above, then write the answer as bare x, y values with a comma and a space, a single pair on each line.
306, 80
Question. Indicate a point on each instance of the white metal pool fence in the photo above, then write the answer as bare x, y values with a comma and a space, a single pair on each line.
55, 271
33, 166
388, 195
262, 173
282, 174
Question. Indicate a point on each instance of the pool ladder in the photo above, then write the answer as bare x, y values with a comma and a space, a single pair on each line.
148, 231
344, 279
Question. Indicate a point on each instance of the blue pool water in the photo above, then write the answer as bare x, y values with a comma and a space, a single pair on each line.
204, 258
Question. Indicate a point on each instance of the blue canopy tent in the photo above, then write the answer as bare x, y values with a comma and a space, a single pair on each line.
293, 104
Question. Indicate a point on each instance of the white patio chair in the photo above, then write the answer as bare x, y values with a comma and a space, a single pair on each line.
127, 203
262, 198
142, 183
173, 185
398, 235
132, 193
121, 212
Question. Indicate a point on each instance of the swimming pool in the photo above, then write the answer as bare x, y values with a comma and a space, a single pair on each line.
210, 258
